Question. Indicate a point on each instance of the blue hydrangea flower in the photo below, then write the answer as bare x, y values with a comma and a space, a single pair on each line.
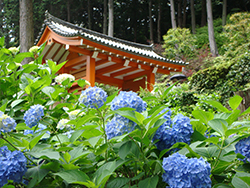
171, 132
40, 128
33, 115
7, 123
93, 96
12, 166
243, 147
181, 172
118, 126
68, 133
128, 99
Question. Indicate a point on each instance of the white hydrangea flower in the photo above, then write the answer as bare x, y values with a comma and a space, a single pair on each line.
60, 78
73, 114
63, 124
14, 50
34, 49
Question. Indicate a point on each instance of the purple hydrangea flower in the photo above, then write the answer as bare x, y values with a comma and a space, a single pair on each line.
243, 147
171, 132
12, 166
93, 97
128, 99
118, 126
181, 172
7, 124
33, 115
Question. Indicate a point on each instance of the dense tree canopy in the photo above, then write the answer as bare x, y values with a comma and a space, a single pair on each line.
131, 17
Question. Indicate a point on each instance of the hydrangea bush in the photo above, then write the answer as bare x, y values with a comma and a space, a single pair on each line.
112, 141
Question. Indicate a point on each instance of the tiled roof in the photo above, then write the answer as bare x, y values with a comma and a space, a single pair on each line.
67, 29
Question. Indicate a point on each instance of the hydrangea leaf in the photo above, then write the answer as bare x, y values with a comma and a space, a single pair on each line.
220, 167
241, 179
75, 135
235, 101
117, 182
67, 157
73, 176
37, 174
77, 153
101, 149
221, 185
20, 57
218, 105
2, 41
219, 125
206, 151
34, 141
203, 116
150, 182
47, 154
129, 148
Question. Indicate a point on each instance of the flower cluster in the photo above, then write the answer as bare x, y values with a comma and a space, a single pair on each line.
172, 131
34, 49
93, 97
62, 77
243, 147
63, 124
40, 128
118, 126
73, 114
33, 115
7, 123
14, 50
128, 99
181, 172
13, 166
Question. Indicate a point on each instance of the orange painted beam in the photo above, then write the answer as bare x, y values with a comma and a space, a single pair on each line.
101, 62
90, 70
135, 75
130, 55
163, 71
150, 81
75, 61
79, 50
109, 69
118, 73
108, 80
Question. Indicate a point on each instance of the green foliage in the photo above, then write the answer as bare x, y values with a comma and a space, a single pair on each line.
179, 43
225, 78
237, 34
88, 158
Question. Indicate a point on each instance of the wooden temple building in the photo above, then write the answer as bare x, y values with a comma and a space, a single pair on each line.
97, 57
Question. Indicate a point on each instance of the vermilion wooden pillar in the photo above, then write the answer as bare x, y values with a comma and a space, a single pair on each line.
150, 81
90, 70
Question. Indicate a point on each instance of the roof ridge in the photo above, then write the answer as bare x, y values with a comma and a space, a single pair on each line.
50, 17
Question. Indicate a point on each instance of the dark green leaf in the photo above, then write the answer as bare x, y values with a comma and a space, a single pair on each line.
150, 182
73, 176
37, 174
117, 182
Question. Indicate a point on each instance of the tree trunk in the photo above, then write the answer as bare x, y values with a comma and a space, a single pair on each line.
184, 14
173, 20
212, 43
135, 5
105, 17
179, 14
192, 16
89, 14
26, 27
150, 21
111, 18
203, 13
224, 13
159, 23
68, 10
